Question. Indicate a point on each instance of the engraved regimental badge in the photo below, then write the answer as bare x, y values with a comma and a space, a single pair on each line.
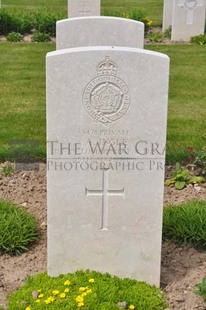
106, 97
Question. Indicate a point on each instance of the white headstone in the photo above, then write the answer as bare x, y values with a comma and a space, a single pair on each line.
80, 8
188, 19
94, 31
106, 132
167, 14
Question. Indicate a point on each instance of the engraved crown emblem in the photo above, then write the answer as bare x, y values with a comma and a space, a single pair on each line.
107, 67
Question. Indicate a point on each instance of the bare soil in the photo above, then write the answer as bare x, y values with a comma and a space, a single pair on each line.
182, 266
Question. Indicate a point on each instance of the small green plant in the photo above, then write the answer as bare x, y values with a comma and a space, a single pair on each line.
201, 289
18, 228
197, 160
7, 169
87, 290
186, 223
181, 178
41, 37
168, 32
155, 37
14, 37
200, 39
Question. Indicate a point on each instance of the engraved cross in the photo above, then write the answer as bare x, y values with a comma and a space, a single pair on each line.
190, 6
83, 12
104, 193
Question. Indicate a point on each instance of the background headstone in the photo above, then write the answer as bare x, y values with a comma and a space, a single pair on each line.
106, 132
95, 31
80, 8
188, 19
167, 14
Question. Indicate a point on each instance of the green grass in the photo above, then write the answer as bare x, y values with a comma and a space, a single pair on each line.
187, 97
95, 290
18, 228
154, 8
23, 103
186, 223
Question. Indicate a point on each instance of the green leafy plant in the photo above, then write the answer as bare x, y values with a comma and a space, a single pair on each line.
168, 32
200, 39
201, 289
181, 178
18, 228
186, 223
45, 22
197, 160
41, 37
14, 37
155, 37
15, 22
7, 169
138, 15
87, 290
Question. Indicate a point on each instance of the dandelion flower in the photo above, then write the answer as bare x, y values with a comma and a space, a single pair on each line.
67, 282
41, 295
55, 292
79, 299
131, 307
66, 290
62, 295
91, 280
28, 308
82, 289
37, 300
80, 304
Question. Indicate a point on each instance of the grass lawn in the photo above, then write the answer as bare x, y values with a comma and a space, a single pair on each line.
22, 101
154, 8
187, 97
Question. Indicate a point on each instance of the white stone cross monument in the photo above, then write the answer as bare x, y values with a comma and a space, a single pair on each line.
190, 6
106, 133
80, 8
187, 18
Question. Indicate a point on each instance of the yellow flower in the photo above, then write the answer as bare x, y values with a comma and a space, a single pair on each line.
91, 280
51, 298
41, 295
55, 292
80, 304
67, 282
66, 290
28, 308
83, 294
37, 300
47, 301
79, 299
62, 295
131, 307
82, 289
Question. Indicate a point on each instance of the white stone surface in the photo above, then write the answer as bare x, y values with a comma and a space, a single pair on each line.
79, 8
95, 31
188, 19
106, 132
167, 14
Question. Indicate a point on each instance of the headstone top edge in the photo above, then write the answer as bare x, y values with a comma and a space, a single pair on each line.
105, 49
100, 18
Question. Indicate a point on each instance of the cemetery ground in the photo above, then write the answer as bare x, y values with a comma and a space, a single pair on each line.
23, 105
182, 266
